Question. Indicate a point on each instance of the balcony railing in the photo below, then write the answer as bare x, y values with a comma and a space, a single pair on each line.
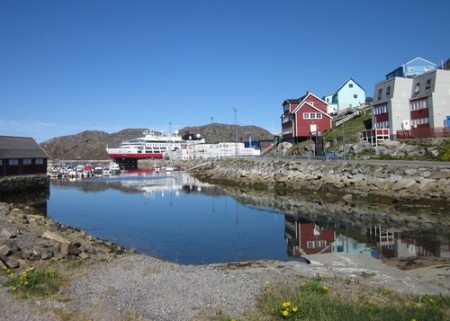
423, 132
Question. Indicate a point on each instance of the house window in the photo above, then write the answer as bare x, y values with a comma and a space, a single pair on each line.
350, 85
411, 69
13, 162
26, 161
312, 115
355, 95
428, 84
417, 89
39, 161
388, 91
316, 244
380, 92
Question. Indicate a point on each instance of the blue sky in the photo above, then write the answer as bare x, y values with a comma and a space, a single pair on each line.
69, 66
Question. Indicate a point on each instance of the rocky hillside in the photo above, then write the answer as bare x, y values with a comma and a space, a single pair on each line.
92, 144
215, 133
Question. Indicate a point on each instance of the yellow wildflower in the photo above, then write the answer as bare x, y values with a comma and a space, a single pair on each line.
295, 309
285, 313
286, 304
325, 288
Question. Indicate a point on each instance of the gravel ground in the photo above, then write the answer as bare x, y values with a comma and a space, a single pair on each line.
138, 287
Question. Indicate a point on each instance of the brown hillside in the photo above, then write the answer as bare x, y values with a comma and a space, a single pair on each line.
91, 144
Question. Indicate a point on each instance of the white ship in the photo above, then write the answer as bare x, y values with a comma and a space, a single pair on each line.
153, 145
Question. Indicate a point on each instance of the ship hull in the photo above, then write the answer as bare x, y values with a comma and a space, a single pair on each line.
136, 155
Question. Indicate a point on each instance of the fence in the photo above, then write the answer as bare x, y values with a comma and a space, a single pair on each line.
423, 133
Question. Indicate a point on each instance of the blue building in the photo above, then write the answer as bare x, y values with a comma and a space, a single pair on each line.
412, 68
349, 95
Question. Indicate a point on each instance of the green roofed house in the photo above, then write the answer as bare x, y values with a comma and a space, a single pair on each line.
20, 156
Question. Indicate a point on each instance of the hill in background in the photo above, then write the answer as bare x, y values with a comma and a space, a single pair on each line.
91, 144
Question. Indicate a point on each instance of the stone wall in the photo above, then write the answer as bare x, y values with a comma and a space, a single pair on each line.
17, 184
354, 177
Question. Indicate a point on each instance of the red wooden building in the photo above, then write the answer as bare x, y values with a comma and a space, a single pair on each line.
304, 117
21, 156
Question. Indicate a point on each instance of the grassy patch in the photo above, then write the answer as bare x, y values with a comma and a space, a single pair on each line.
321, 299
34, 282
444, 151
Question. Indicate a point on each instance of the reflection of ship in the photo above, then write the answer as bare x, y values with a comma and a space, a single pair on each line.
153, 185
153, 145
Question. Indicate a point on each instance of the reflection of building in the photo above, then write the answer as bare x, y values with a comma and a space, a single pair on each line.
305, 237
403, 244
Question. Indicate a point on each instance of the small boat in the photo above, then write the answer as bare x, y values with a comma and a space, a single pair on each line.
168, 169
114, 168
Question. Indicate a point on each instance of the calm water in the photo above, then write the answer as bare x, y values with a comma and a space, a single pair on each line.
174, 217
167, 216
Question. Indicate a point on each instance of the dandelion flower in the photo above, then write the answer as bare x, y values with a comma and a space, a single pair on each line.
295, 309
286, 304
285, 313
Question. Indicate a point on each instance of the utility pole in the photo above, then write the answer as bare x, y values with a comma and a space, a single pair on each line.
235, 128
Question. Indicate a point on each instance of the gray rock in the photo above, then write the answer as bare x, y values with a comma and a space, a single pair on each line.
403, 183
5, 234
348, 198
5, 250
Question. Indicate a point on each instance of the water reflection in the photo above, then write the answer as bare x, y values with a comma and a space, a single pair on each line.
305, 237
35, 201
219, 224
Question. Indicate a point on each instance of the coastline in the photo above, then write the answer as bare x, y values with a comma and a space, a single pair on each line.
112, 283
408, 181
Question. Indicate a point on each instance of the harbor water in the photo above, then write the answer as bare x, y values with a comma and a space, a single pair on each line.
177, 218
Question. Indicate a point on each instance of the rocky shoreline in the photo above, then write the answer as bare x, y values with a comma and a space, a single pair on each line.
115, 285
399, 180
28, 238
